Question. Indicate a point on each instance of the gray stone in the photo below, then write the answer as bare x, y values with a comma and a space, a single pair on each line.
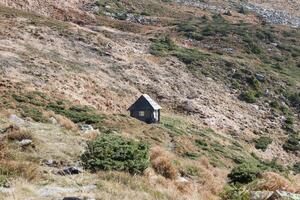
86, 127
268, 195
274, 44
260, 195
15, 119
182, 180
260, 77
25, 142
70, 171
51, 163
5, 190
53, 120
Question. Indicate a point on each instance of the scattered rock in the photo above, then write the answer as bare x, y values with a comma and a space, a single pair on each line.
25, 142
260, 77
15, 119
274, 44
275, 16
71, 198
86, 128
5, 190
77, 198
267, 93
259, 195
52, 120
228, 50
51, 163
182, 180
267, 195
70, 171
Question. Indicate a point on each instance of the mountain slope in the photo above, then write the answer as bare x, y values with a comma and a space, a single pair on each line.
199, 69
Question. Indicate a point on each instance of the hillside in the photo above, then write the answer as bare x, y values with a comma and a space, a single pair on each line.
226, 75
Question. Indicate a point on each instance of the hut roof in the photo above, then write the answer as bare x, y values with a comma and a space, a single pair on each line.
144, 101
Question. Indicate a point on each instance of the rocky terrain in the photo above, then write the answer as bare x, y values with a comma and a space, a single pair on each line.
225, 73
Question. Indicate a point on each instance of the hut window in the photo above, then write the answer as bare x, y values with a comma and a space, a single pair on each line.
141, 113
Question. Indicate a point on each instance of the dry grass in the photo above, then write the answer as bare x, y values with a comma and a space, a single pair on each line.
66, 123
17, 133
12, 166
162, 163
61, 120
27, 170
272, 182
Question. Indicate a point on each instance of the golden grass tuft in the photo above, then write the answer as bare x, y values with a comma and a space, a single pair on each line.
17, 133
11, 167
66, 123
272, 181
27, 170
162, 163
61, 120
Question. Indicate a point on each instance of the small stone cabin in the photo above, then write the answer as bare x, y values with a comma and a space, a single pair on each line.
145, 109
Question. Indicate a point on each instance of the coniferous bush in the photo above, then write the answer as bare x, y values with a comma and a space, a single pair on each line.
114, 152
244, 173
296, 168
292, 144
263, 142
248, 96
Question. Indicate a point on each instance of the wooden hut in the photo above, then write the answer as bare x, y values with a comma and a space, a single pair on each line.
145, 109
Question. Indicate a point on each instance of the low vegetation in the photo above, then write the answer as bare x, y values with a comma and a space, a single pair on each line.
166, 46
114, 152
292, 144
296, 168
249, 96
35, 105
235, 192
162, 164
244, 173
262, 142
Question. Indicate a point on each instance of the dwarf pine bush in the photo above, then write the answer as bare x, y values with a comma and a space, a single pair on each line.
114, 152
244, 173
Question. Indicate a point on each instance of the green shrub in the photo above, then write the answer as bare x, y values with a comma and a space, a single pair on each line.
201, 143
235, 192
113, 152
274, 104
296, 168
289, 125
166, 46
289, 120
192, 170
262, 142
189, 56
78, 114
248, 96
253, 82
191, 155
292, 144
271, 165
33, 113
244, 173
162, 46
294, 98
243, 10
